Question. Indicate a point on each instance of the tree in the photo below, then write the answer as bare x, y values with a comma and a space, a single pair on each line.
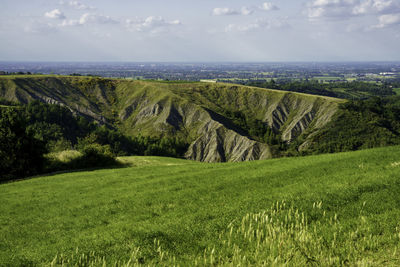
20, 153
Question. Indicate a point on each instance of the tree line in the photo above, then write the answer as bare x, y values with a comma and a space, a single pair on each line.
344, 90
360, 124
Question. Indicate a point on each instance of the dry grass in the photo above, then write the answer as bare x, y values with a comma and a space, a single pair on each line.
65, 156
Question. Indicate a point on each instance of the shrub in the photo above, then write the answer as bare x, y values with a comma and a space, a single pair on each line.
94, 155
59, 145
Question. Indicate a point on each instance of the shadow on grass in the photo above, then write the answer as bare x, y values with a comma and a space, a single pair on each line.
53, 172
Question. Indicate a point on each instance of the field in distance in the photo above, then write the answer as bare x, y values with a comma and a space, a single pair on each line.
333, 209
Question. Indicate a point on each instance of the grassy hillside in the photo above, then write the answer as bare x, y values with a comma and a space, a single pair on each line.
162, 208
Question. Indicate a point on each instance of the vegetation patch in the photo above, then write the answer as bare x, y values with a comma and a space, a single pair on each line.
359, 125
29, 132
347, 90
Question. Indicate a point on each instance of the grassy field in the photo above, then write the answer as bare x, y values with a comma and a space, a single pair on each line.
397, 90
327, 78
139, 161
337, 209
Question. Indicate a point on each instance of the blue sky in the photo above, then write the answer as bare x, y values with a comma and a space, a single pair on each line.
206, 30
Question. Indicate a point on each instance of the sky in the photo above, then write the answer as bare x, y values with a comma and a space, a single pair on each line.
199, 30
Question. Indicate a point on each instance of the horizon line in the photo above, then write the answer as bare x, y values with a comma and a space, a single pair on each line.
203, 62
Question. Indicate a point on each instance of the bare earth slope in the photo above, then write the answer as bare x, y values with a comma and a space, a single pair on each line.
194, 111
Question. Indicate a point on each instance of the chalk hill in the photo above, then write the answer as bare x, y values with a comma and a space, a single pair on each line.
200, 113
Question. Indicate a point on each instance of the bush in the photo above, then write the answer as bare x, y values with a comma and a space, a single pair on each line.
88, 156
59, 145
95, 155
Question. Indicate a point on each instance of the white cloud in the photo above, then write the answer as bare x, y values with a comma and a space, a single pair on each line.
260, 24
317, 9
224, 11
150, 24
330, 8
377, 7
70, 22
268, 6
54, 14
242, 28
94, 18
246, 11
388, 20
333, 3
78, 5
89, 18
357, 12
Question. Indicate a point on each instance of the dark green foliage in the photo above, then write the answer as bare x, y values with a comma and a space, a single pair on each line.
90, 155
256, 129
50, 123
346, 90
31, 130
120, 144
163, 147
360, 124
6, 102
20, 153
302, 87
58, 127
59, 145
94, 155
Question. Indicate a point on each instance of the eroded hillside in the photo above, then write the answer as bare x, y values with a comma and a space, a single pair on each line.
221, 122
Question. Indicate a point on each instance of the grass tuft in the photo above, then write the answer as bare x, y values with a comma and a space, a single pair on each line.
279, 236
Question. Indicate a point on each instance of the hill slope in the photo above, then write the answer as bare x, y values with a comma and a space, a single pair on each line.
188, 206
221, 122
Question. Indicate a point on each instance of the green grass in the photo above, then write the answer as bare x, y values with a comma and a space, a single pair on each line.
174, 211
169, 81
140, 161
397, 90
326, 78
